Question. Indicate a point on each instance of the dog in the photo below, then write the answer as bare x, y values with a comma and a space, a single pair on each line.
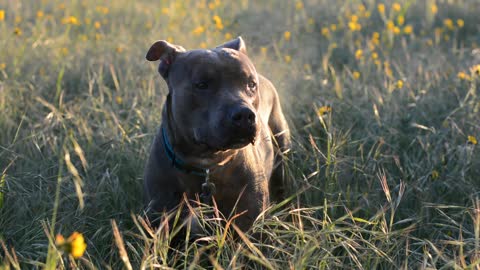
223, 133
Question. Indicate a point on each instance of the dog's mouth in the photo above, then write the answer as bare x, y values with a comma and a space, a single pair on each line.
236, 143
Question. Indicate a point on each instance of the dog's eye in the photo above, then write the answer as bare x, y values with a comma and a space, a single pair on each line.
252, 84
201, 85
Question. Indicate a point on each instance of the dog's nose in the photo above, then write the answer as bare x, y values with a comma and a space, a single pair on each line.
243, 117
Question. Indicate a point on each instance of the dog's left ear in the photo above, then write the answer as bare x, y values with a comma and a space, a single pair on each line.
236, 44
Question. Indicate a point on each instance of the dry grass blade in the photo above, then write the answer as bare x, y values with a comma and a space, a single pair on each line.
120, 245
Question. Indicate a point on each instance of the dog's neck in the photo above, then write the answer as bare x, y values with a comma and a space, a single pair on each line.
184, 148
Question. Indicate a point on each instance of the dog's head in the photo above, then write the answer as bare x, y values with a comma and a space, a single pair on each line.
214, 93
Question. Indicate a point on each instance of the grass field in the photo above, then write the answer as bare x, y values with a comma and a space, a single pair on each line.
382, 98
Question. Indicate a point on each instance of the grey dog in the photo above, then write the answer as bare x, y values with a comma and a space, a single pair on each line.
223, 133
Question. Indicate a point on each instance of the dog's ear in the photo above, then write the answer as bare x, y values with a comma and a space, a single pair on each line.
166, 53
236, 44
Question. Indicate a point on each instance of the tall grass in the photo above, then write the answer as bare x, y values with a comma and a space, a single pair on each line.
382, 101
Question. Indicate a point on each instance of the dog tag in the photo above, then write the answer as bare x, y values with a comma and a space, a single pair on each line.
208, 190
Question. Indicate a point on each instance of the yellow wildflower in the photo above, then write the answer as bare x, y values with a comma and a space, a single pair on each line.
429, 42
64, 51
75, 244
325, 31
434, 9
199, 30
165, 10
40, 14
396, 30
263, 50
358, 54
203, 45
381, 8
287, 58
228, 36
399, 84
408, 29
218, 22
70, 20
307, 67
460, 23
397, 7
354, 26
448, 23
435, 174
361, 8
17, 31
390, 25
299, 5
119, 49
2, 15
311, 21
463, 76
356, 75
119, 100
287, 35
102, 9
97, 25
333, 27
323, 110
3, 66
354, 18
374, 55
400, 20
169, 39
472, 140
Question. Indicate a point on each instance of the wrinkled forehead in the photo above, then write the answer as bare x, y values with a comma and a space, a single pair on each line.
218, 61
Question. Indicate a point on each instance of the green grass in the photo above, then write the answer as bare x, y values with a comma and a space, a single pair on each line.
386, 178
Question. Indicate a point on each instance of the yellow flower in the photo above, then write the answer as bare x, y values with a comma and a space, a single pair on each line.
448, 23
390, 25
40, 14
299, 5
17, 31
287, 35
307, 67
203, 45
75, 244
102, 9
70, 20
3, 66
354, 18
374, 55
287, 58
361, 8
169, 39
429, 42
434, 9
399, 84
199, 30
460, 23
323, 110
119, 100
311, 21
396, 30
435, 174
218, 22
397, 7
354, 26
472, 140
333, 27
97, 25
358, 54
64, 51
408, 29
165, 10
148, 25
400, 20
462, 75
211, 5
356, 75
381, 8
325, 31
2, 15
263, 50
119, 49
228, 36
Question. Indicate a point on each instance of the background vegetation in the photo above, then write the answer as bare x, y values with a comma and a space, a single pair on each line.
382, 97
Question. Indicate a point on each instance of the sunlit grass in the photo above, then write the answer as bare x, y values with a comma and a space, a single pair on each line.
382, 98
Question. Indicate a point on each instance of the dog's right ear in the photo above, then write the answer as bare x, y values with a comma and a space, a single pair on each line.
166, 53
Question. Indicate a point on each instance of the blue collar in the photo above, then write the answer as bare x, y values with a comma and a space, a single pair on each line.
177, 162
